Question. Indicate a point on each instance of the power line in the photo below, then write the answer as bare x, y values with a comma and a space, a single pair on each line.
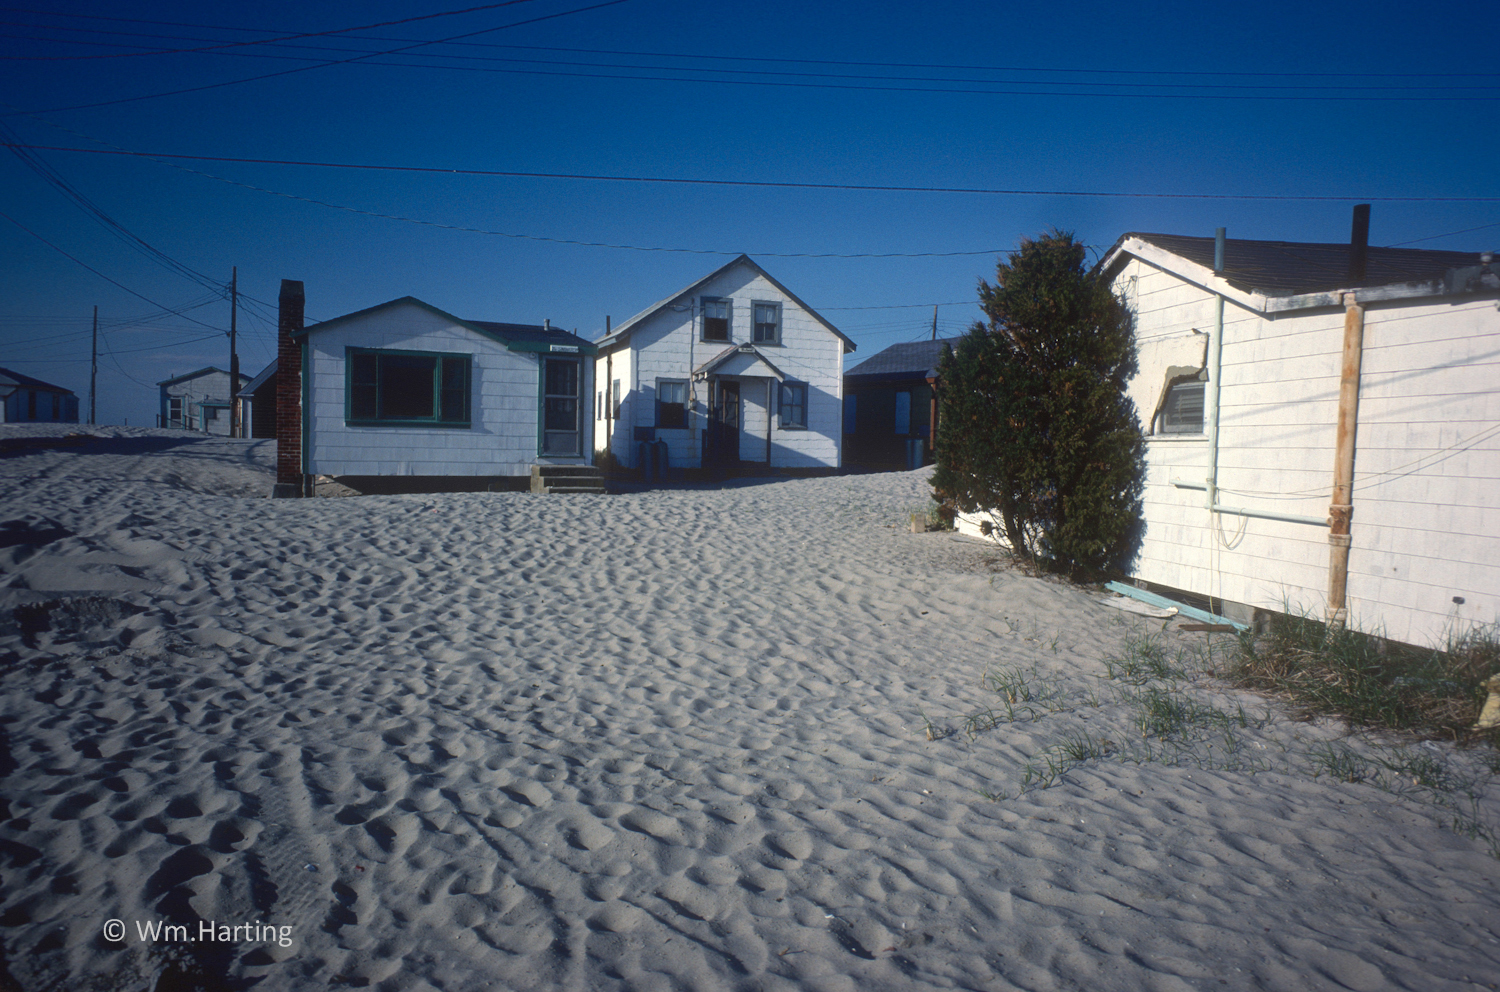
53, 178
778, 59
1268, 90
293, 37
1434, 237
857, 187
96, 272
322, 65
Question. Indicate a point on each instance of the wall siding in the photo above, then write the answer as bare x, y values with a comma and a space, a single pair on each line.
665, 346
1426, 524
502, 438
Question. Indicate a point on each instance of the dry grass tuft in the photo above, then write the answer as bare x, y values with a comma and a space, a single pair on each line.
1370, 681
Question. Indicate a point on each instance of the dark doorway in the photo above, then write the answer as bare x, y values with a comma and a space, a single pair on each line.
724, 423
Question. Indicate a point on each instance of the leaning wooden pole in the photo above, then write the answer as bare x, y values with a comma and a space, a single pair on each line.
1341, 508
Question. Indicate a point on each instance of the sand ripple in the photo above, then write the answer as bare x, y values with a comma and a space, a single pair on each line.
667, 739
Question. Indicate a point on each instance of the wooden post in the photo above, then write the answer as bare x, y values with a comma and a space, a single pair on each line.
1341, 512
94, 367
234, 356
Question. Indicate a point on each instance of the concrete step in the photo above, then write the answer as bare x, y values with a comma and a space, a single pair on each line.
566, 479
600, 490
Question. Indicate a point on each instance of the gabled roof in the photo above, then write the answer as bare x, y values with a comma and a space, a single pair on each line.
622, 332
1292, 275
516, 337
248, 392
745, 366
193, 375
907, 360
9, 378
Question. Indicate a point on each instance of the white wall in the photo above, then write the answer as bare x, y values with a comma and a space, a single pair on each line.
209, 387
1426, 523
666, 346
502, 438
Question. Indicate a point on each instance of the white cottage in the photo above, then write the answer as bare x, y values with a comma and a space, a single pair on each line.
198, 401
404, 397
1323, 428
733, 373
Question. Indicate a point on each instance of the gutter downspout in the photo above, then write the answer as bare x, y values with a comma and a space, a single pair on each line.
1341, 509
1215, 365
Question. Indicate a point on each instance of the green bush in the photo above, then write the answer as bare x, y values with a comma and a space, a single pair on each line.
1034, 423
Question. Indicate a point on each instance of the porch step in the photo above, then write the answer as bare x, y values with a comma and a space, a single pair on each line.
566, 479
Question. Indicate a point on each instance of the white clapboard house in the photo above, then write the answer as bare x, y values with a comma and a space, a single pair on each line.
733, 373
1255, 365
404, 397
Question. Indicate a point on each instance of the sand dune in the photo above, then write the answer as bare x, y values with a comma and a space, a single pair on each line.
664, 739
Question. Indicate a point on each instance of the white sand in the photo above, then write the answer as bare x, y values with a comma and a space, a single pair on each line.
659, 740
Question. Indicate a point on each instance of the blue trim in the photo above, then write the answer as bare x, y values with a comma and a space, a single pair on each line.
1182, 608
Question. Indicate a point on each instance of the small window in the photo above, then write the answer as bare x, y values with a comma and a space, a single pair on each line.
903, 412
715, 319
671, 403
767, 323
617, 400
793, 405
408, 389
1182, 413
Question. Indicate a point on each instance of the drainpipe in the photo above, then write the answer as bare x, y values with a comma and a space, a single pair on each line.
1211, 397
1341, 510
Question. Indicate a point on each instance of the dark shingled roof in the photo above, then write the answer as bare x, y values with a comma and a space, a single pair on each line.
1292, 268
908, 360
30, 383
531, 333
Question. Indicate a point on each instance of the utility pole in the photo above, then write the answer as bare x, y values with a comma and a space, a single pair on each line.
934, 321
234, 356
94, 365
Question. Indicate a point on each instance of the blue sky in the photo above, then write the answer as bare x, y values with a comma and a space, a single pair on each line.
1185, 111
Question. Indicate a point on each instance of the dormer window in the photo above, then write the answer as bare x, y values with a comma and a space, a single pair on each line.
715, 319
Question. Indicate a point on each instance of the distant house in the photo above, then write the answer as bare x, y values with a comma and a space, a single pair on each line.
198, 401
1339, 450
890, 406
404, 397
732, 372
257, 401
28, 400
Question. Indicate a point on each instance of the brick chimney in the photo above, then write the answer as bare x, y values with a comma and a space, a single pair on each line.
289, 479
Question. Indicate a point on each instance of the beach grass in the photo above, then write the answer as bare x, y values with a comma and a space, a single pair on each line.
1370, 681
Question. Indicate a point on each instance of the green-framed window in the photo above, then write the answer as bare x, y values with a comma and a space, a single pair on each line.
386, 387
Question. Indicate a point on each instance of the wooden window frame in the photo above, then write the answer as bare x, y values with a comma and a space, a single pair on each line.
783, 406
675, 422
704, 302
756, 324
